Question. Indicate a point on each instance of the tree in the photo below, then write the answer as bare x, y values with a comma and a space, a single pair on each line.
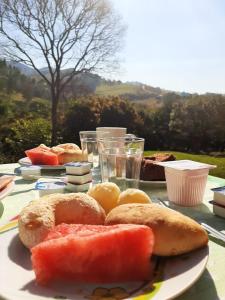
84, 35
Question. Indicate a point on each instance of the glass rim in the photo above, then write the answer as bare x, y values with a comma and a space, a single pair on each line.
108, 128
87, 132
123, 138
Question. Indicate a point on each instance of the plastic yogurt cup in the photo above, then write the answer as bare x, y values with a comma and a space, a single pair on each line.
186, 181
46, 188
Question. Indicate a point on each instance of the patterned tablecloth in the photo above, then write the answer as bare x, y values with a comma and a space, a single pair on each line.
210, 286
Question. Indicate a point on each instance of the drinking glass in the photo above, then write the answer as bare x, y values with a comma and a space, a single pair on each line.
111, 131
89, 147
120, 160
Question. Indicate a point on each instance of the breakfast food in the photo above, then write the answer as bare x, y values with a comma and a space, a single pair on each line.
133, 196
42, 156
106, 193
77, 187
79, 179
78, 175
39, 216
150, 171
78, 168
174, 233
57, 155
67, 153
94, 254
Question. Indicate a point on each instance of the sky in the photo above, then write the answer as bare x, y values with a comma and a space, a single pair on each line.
176, 45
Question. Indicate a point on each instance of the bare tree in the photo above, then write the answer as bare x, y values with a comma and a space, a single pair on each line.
84, 35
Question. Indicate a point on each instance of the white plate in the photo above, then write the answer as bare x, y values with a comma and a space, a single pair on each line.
25, 161
7, 190
17, 280
154, 183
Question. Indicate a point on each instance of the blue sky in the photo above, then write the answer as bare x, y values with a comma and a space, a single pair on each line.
174, 44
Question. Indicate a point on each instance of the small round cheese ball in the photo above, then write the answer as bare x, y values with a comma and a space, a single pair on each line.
133, 196
106, 194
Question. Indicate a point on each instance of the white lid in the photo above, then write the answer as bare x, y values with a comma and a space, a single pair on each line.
185, 165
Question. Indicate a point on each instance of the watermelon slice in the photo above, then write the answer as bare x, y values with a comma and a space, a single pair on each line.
94, 254
42, 156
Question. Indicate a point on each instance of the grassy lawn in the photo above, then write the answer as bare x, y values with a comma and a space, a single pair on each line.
218, 161
116, 89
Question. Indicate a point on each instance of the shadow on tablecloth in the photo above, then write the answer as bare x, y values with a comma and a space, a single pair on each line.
203, 289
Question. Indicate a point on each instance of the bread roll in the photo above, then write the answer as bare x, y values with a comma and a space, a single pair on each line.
39, 216
133, 196
106, 193
174, 233
68, 153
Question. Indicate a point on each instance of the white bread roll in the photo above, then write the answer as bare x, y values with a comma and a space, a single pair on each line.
39, 216
174, 233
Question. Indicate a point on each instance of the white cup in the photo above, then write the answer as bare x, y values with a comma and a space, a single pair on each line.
111, 131
186, 181
186, 188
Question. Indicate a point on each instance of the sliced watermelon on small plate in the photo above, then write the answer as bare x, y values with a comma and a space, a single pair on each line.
41, 156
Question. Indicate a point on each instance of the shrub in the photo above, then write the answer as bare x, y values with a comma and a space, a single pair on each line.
25, 134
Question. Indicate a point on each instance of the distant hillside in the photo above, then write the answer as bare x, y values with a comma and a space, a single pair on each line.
130, 90
24, 69
89, 83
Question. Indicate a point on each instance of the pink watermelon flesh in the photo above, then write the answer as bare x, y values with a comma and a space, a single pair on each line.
94, 254
40, 156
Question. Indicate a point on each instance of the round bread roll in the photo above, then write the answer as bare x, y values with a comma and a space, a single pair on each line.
68, 152
133, 196
41, 215
174, 233
106, 193
69, 146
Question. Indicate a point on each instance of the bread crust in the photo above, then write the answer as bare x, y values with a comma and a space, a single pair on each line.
174, 233
39, 216
68, 152
132, 195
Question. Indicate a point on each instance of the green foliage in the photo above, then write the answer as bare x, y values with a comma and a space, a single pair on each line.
25, 134
198, 124
95, 112
12, 80
129, 91
189, 123
39, 107
117, 112
81, 115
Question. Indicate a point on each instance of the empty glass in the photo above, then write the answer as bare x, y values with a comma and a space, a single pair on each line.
120, 160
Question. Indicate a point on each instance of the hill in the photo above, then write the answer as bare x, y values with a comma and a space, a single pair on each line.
134, 91
89, 83
24, 69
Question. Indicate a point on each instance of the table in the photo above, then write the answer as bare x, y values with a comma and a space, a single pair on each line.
210, 286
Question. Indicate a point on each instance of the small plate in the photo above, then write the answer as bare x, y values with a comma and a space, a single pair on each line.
154, 183
25, 161
7, 190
